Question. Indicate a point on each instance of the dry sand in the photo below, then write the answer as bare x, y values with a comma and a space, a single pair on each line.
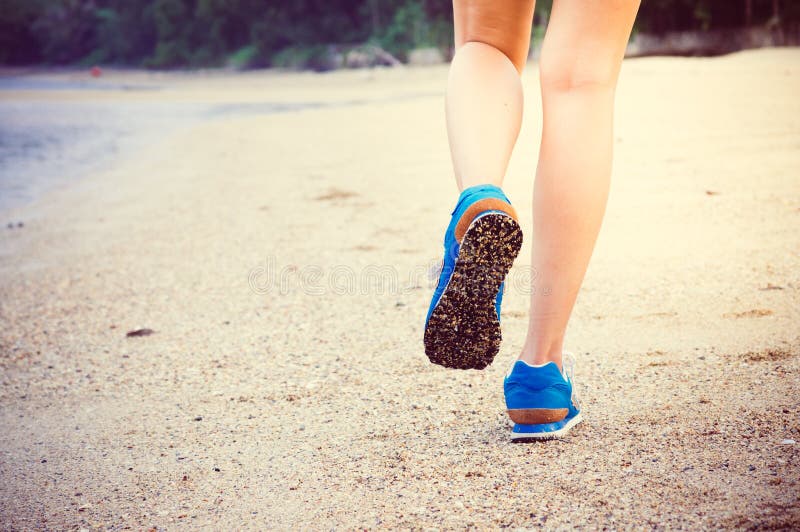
314, 406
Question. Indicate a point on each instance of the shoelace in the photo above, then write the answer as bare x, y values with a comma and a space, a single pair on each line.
568, 365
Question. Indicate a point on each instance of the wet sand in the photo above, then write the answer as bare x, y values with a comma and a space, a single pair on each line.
281, 261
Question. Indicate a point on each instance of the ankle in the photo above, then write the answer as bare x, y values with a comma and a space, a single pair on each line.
538, 353
539, 359
466, 182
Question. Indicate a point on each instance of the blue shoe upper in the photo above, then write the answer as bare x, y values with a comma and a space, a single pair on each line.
451, 245
538, 387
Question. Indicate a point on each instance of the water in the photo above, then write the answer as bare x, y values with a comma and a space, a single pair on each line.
44, 144
54, 142
50, 142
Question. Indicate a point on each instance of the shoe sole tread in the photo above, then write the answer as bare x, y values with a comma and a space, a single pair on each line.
463, 331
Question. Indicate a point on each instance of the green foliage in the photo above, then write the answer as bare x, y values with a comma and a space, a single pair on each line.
244, 57
173, 34
314, 57
659, 16
542, 12
411, 25
18, 44
65, 30
126, 33
407, 30
287, 33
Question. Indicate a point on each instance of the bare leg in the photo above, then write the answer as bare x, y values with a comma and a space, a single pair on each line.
581, 57
484, 92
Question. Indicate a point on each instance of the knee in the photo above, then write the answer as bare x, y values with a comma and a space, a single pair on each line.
588, 56
566, 71
484, 49
505, 26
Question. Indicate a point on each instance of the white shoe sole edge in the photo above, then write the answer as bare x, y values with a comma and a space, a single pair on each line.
521, 436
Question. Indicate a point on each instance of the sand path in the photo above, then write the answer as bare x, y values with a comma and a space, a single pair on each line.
281, 261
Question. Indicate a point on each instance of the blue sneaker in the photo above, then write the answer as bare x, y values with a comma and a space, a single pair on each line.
462, 329
540, 401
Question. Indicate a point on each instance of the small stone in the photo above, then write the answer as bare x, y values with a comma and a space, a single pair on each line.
139, 332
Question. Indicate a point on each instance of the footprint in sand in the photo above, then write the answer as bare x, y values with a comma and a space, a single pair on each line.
771, 355
335, 194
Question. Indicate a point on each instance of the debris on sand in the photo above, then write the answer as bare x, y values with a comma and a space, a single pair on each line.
754, 313
336, 194
139, 332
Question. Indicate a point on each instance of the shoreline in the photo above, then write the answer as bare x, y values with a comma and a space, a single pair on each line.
123, 111
189, 98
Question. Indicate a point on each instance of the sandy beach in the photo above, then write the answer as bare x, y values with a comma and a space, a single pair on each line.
279, 252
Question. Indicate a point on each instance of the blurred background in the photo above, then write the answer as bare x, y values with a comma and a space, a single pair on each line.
324, 35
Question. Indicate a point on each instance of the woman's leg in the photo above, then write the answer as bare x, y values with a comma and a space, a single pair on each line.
580, 61
484, 93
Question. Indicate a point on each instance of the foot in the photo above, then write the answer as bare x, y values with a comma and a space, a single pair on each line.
540, 401
462, 329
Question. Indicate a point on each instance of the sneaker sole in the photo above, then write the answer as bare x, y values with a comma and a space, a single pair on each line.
547, 431
537, 416
463, 331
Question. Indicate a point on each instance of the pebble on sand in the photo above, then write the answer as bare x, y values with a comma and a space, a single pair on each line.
139, 332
